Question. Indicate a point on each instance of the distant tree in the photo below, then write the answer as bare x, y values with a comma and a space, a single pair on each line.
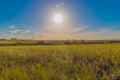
67, 42
41, 42
106, 41
82, 41
13, 38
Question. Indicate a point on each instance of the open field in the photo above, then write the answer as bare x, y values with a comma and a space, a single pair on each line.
60, 62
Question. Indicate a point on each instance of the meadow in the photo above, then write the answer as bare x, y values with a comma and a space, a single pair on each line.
60, 62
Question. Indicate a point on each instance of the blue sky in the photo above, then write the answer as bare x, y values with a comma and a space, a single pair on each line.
88, 19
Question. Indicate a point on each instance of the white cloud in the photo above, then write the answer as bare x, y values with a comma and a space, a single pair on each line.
100, 34
105, 30
79, 29
19, 31
59, 4
82, 32
37, 33
12, 27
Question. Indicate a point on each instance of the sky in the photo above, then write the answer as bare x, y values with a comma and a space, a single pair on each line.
82, 19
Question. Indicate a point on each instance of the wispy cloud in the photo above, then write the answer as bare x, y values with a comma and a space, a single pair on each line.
82, 32
99, 34
19, 31
105, 30
78, 29
12, 27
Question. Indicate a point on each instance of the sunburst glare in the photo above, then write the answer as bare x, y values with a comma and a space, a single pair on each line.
58, 18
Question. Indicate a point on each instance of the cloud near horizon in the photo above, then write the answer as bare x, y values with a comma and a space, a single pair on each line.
82, 32
12, 27
99, 34
19, 31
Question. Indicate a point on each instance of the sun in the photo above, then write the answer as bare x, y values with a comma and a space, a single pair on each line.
58, 18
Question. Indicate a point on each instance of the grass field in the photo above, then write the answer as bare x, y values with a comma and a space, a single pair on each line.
60, 62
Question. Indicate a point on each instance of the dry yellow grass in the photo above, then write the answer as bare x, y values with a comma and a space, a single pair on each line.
63, 62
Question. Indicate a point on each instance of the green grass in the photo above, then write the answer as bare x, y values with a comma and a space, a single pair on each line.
60, 62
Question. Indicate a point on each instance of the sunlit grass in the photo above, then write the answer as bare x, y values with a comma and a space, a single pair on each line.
73, 62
